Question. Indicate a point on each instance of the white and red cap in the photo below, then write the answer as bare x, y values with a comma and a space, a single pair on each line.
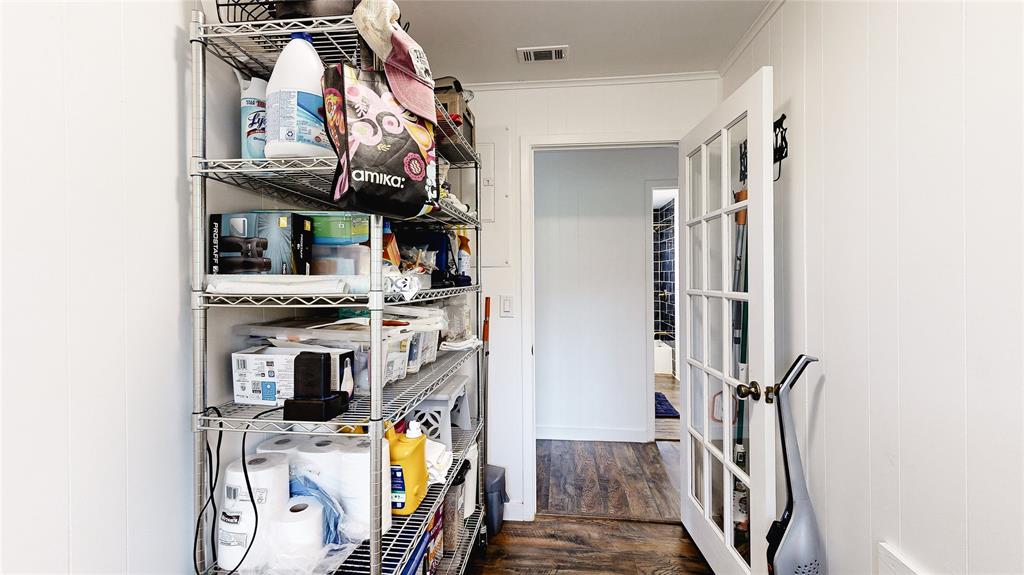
405, 62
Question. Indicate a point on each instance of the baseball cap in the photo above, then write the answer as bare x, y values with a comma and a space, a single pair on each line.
405, 62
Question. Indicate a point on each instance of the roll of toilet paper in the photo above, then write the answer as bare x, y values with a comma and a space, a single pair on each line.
284, 443
340, 465
321, 459
299, 531
268, 477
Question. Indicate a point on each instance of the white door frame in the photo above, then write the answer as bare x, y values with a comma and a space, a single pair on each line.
529, 145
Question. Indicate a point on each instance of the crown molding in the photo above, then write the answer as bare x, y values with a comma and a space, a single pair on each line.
755, 28
605, 81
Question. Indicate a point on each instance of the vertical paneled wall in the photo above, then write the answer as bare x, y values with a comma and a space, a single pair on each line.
899, 254
97, 452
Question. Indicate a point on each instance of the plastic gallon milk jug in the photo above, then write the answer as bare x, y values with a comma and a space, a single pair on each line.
254, 116
295, 101
408, 469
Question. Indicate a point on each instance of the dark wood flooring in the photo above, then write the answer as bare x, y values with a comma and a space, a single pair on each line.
668, 429
604, 479
566, 546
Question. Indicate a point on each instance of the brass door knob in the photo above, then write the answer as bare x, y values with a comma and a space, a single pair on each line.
753, 391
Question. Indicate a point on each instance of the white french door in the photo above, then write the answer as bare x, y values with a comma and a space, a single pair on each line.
726, 337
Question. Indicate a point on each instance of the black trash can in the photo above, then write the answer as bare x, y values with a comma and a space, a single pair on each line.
496, 499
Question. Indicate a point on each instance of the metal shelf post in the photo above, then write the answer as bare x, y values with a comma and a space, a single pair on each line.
376, 387
198, 214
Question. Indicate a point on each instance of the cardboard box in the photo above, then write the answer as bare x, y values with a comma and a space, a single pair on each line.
260, 243
435, 546
339, 228
454, 103
265, 375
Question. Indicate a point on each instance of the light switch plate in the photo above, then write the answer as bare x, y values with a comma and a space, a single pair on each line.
506, 309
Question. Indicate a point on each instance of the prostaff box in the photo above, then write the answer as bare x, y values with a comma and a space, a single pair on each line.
260, 243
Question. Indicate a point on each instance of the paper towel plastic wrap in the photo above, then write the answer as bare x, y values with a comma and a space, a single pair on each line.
268, 477
234, 534
341, 466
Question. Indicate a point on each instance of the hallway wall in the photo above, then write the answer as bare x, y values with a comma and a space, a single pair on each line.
899, 263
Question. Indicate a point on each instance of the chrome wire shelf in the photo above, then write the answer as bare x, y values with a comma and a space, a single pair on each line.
253, 47
400, 397
305, 182
326, 300
398, 543
452, 145
455, 562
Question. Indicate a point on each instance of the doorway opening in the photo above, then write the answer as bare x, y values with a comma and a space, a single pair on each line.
597, 302
668, 399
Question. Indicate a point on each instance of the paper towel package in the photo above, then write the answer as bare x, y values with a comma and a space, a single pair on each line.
236, 524
265, 375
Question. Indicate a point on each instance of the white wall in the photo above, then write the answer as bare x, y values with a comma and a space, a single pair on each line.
899, 263
505, 114
96, 381
593, 333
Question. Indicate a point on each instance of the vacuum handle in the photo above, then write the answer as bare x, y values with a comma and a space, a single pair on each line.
794, 373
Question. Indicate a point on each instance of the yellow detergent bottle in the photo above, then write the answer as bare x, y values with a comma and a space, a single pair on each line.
408, 469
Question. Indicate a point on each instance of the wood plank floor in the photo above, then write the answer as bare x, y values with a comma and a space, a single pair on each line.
574, 546
636, 481
668, 429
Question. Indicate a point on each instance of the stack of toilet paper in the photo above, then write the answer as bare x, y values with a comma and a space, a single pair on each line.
340, 465
287, 526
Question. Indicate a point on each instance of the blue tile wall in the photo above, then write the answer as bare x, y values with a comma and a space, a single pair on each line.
664, 272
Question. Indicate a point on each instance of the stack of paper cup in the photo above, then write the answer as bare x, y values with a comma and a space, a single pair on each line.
340, 465
236, 526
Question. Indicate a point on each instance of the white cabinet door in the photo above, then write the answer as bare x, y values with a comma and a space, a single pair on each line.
724, 222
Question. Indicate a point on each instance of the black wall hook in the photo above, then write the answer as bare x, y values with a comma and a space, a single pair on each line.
781, 151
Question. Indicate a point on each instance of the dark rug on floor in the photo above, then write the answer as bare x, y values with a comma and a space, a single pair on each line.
663, 408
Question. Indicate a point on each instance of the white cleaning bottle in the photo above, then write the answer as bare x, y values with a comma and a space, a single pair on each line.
295, 128
253, 105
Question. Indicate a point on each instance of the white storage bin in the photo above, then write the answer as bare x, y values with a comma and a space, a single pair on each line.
347, 333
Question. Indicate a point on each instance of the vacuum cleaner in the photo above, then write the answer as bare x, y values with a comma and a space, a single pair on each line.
794, 547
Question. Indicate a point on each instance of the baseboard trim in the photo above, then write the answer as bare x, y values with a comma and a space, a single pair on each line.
591, 434
515, 511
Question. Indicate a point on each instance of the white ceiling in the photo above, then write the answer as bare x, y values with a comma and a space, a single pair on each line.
476, 40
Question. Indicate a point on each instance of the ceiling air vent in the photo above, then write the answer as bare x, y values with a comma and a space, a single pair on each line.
542, 54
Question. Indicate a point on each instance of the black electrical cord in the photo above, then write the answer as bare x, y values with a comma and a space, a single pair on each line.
252, 498
214, 478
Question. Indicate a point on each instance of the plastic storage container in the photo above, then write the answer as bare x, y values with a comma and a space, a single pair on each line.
496, 499
340, 260
294, 101
454, 506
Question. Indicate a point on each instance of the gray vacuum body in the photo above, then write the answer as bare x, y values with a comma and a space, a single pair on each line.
794, 547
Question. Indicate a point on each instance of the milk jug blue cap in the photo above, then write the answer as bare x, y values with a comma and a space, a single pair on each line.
303, 35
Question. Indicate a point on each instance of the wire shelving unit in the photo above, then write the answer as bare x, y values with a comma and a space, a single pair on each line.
253, 48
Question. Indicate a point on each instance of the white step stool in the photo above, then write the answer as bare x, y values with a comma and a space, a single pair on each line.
446, 407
